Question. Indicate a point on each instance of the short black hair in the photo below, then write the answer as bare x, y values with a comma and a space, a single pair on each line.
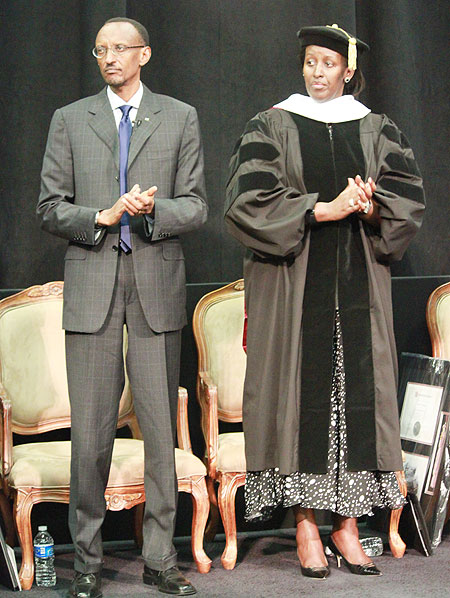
138, 26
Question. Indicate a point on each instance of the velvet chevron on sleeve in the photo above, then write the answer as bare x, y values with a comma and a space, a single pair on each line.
399, 190
266, 207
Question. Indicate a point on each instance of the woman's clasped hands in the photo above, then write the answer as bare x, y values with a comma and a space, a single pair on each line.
355, 198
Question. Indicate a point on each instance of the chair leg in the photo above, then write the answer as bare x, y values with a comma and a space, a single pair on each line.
200, 508
396, 544
138, 518
229, 483
214, 514
7, 516
23, 503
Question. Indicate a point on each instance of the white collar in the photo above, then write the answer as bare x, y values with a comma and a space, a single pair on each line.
339, 110
116, 101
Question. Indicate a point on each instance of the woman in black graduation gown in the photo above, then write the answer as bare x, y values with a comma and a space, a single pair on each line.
324, 195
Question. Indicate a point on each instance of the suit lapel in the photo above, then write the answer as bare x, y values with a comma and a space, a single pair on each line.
147, 121
103, 123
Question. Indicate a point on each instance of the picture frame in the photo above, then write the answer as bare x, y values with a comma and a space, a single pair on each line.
424, 403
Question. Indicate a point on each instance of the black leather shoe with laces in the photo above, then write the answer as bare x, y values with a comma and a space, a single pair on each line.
171, 581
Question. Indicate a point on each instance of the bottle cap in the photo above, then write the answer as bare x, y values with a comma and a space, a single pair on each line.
42, 528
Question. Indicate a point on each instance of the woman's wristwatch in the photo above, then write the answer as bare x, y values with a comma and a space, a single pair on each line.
310, 218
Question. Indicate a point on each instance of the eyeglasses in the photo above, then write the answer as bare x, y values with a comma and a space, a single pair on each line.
117, 50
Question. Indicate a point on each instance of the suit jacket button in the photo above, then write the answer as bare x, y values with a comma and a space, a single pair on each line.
117, 178
115, 248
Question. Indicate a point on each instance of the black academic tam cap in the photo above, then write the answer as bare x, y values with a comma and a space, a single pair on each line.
335, 38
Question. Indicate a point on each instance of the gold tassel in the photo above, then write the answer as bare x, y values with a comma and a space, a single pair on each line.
352, 52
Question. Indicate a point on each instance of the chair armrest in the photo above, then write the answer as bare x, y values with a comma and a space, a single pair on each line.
184, 438
5, 434
207, 396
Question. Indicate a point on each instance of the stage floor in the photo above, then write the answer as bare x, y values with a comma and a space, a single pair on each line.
267, 567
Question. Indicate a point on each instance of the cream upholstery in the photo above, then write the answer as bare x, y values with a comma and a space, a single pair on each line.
34, 399
223, 329
36, 366
231, 453
188, 465
47, 464
218, 324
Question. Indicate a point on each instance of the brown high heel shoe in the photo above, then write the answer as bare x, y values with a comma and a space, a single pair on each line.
365, 569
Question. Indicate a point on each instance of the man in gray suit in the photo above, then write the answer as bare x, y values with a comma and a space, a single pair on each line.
121, 202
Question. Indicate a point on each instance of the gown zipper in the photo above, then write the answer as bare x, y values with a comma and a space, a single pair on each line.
336, 291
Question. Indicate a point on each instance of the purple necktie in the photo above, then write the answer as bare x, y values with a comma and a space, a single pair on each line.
125, 129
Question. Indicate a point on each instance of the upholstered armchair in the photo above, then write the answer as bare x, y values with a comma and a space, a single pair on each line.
438, 320
218, 323
218, 327
34, 399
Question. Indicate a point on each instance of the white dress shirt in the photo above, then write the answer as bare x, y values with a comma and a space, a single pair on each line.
135, 101
116, 102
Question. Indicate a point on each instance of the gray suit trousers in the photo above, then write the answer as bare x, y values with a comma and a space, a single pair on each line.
95, 373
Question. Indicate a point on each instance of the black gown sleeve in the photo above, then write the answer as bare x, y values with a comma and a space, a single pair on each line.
399, 193
265, 209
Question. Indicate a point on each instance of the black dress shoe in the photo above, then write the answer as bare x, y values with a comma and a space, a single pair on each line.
171, 581
85, 585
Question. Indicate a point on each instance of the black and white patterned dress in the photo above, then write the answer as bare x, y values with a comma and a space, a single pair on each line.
351, 494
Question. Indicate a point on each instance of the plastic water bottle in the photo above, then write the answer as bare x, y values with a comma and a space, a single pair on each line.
44, 558
372, 546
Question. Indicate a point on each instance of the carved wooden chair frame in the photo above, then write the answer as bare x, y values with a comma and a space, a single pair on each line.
438, 347
436, 334
228, 482
117, 498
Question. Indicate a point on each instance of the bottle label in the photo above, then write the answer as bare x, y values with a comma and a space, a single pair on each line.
43, 551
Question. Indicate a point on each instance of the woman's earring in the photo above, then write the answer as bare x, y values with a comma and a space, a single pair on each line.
347, 79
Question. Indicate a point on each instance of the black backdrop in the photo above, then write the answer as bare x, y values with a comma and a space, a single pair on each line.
230, 59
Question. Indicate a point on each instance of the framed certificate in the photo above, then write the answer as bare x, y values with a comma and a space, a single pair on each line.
424, 394
420, 412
